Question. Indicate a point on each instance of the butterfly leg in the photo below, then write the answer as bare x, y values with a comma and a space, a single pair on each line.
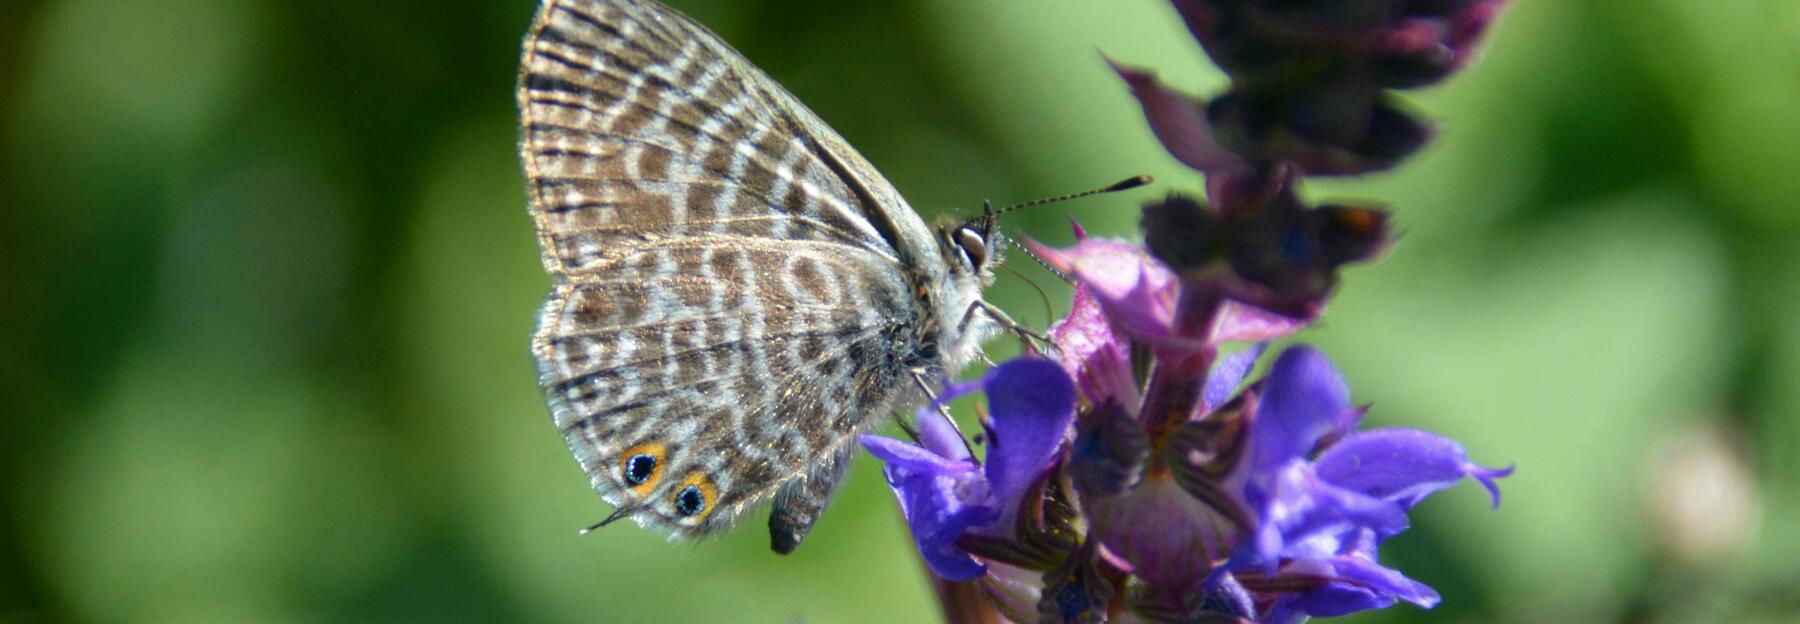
943, 410
799, 503
1026, 335
910, 431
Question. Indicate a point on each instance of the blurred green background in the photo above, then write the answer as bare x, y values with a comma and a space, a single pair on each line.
266, 280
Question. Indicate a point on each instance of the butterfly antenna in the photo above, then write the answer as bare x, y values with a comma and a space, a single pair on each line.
1043, 263
1122, 185
989, 214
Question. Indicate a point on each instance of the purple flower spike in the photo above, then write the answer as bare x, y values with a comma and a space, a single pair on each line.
942, 492
1189, 491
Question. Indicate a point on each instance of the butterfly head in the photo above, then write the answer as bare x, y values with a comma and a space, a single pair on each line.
974, 246
971, 250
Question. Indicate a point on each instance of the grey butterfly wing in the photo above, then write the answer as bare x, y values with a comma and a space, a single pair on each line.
728, 298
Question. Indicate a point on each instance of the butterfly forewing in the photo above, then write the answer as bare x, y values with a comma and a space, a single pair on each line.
736, 292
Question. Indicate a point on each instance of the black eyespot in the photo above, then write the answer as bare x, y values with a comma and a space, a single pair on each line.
690, 501
639, 468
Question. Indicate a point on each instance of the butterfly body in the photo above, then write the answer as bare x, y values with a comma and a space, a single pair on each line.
736, 293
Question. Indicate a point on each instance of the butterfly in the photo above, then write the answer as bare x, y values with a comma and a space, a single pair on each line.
736, 292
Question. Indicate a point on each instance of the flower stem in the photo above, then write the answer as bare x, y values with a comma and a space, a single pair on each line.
1173, 394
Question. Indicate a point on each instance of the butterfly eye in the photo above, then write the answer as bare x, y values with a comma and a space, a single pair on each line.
973, 246
638, 468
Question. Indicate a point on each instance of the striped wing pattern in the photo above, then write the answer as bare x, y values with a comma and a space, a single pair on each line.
728, 288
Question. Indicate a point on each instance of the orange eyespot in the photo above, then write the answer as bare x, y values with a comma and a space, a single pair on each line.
695, 497
641, 467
